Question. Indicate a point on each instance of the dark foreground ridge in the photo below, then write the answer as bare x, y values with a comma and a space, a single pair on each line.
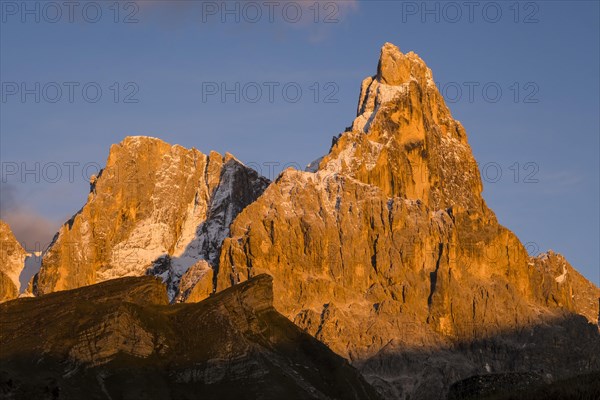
121, 340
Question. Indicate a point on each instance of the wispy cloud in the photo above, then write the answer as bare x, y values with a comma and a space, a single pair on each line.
316, 18
557, 182
32, 230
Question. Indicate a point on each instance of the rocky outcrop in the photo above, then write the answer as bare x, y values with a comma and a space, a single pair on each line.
560, 285
405, 141
12, 262
120, 339
394, 247
155, 208
197, 283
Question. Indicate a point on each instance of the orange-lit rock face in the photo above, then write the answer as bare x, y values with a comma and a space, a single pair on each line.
12, 262
155, 206
390, 240
364, 266
405, 141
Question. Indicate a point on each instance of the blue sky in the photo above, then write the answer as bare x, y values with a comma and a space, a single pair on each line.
155, 63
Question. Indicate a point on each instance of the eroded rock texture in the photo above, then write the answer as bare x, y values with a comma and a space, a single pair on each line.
155, 208
394, 248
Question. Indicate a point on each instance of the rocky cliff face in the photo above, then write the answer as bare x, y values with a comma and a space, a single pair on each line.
12, 262
405, 141
154, 208
121, 339
394, 245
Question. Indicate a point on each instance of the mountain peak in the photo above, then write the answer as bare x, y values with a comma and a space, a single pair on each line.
398, 75
396, 68
404, 139
155, 208
138, 138
134, 141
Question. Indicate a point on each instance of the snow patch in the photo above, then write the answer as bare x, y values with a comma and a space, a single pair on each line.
376, 96
208, 225
344, 157
561, 278
314, 165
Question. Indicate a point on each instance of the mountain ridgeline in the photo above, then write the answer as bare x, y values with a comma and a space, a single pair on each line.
384, 250
121, 339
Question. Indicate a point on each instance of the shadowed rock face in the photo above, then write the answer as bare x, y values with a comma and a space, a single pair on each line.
12, 262
121, 339
154, 208
526, 386
394, 247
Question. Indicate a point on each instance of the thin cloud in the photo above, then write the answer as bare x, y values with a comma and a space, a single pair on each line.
560, 182
32, 230
317, 21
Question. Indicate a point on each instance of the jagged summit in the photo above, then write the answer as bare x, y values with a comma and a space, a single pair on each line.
395, 73
139, 138
396, 68
405, 141
155, 208
138, 142
396, 250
